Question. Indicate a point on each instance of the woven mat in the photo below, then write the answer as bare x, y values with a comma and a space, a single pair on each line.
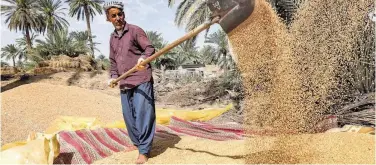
86, 146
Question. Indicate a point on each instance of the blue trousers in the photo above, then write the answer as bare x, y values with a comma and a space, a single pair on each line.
139, 115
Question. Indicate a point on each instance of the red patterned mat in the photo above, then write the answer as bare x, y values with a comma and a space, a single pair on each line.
86, 146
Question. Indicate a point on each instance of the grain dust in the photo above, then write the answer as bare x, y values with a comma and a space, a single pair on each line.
293, 78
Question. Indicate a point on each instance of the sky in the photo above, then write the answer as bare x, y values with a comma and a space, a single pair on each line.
151, 15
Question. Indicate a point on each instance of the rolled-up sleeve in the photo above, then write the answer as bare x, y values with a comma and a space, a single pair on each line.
145, 44
113, 68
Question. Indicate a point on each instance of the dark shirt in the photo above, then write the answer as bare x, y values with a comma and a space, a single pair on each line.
125, 50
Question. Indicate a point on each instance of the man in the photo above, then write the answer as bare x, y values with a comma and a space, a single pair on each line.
129, 46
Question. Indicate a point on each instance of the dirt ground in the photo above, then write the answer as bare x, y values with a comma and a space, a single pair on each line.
165, 92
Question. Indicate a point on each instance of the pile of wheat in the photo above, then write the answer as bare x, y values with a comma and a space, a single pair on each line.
333, 43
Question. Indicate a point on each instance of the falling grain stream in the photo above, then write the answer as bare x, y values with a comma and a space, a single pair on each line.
292, 77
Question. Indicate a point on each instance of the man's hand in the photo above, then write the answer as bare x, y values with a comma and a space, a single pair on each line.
139, 66
110, 84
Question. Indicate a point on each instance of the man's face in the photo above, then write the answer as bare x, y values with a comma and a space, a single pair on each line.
116, 17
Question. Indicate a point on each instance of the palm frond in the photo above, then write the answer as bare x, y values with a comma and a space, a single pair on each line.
10, 52
53, 13
171, 3
22, 15
181, 12
196, 15
76, 8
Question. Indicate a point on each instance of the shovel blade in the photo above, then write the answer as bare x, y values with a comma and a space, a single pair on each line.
231, 12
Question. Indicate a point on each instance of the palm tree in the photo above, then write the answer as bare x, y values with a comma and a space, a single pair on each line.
52, 13
59, 43
191, 13
156, 39
4, 64
186, 53
85, 9
221, 55
22, 44
103, 62
10, 52
82, 39
207, 53
165, 61
80, 35
23, 15
20, 64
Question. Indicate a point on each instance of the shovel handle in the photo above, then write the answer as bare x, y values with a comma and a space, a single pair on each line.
189, 35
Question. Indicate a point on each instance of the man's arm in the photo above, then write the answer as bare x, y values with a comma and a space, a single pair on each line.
145, 44
113, 68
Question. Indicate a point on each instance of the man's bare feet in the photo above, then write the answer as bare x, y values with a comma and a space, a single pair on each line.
141, 159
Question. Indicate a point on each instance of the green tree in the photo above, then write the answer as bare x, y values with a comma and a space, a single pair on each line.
4, 64
23, 15
221, 53
103, 62
165, 61
20, 64
207, 53
10, 52
156, 39
186, 53
191, 13
22, 44
60, 42
82, 39
53, 13
84, 10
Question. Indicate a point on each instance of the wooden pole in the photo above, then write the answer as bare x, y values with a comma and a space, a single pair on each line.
189, 35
